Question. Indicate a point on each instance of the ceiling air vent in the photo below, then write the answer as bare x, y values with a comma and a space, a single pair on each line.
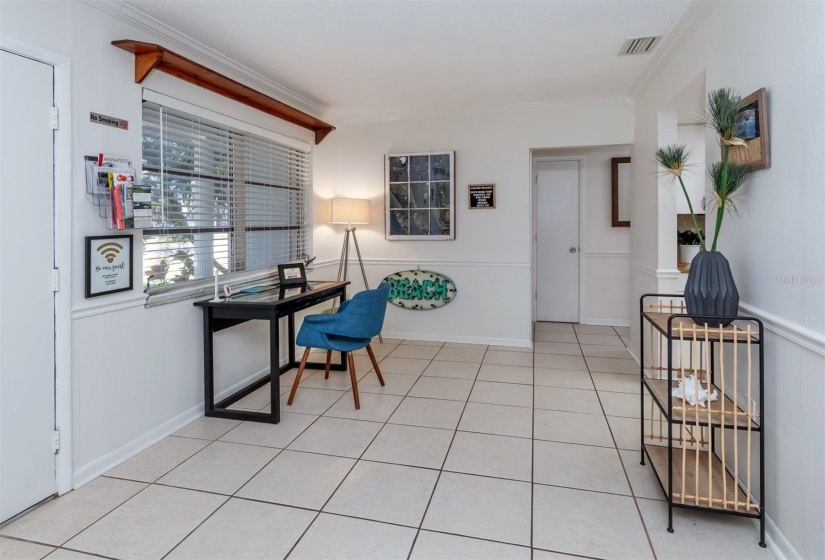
639, 45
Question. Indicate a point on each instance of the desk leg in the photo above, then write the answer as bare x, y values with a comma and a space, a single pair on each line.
291, 338
208, 363
274, 370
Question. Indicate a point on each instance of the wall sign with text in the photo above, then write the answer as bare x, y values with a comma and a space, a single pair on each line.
108, 264
420, 289
482, 196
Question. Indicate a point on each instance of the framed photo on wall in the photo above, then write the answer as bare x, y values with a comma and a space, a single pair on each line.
752, 127
108, 264
419, 196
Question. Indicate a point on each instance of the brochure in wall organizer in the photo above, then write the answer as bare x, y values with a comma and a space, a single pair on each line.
142, 206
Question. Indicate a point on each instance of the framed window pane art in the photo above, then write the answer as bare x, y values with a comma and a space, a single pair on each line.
419, 196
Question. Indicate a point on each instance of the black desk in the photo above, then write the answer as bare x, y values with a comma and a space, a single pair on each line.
269, 305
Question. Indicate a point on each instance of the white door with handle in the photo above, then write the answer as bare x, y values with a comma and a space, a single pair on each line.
557, 241
27, 422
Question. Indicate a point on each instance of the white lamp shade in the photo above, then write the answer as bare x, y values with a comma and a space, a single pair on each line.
349, 211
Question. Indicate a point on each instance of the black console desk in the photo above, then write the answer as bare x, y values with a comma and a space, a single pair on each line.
267, 305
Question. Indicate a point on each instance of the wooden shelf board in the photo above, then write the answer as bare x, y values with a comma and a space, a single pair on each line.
660, 388
658, 458
687, 326
149, 56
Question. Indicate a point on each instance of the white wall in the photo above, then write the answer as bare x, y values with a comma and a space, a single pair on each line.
137, 373
490, 258
604, 248
778, 233
692, 136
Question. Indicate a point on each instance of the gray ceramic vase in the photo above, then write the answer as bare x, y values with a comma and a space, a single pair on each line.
710, 290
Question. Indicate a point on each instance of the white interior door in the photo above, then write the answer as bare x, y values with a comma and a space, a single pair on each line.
557, 239
27, 460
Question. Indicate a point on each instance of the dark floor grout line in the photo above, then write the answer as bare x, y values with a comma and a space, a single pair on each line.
624, 469
344, 478
533, 452
444, 462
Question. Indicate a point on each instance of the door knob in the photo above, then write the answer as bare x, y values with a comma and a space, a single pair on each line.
572, 249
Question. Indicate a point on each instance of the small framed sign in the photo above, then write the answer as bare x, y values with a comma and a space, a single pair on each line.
292, 274
108, 264
482, 196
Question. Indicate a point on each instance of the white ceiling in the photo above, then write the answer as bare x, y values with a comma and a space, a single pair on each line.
373, 57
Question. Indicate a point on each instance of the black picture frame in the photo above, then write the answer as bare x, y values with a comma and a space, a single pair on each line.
108, 262
293, 273
482, 196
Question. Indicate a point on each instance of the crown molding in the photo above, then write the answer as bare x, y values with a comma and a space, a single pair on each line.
207, 56
618, 102
695, 15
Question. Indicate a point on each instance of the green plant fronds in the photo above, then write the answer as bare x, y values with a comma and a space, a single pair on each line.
727, 178
722, 112
673, 159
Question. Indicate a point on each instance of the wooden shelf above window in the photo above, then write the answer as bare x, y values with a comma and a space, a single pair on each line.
149, 56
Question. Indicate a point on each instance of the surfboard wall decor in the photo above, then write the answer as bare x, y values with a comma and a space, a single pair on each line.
420, 289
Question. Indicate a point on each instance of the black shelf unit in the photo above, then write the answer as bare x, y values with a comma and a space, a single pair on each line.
707, 464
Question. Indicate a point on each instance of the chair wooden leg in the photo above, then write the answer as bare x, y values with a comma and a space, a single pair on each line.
298, 376
351, 361
329, 359
375, 365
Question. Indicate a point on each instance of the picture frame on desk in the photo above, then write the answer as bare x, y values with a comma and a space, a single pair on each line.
293, 273
108, 265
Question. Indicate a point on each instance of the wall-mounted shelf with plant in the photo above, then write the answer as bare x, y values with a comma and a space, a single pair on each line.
710, 289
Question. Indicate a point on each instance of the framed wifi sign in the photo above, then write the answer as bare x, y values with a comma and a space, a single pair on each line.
108, 264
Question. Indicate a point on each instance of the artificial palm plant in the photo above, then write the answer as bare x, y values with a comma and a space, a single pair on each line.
721, 114
710, 292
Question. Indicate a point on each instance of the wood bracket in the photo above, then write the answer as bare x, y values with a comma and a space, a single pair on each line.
149, 56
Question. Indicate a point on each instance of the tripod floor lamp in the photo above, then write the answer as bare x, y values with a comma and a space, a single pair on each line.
350, 211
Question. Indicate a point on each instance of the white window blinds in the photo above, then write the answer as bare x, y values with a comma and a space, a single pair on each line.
224, 200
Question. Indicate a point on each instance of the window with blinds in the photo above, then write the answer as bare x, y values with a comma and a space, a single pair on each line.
223, 200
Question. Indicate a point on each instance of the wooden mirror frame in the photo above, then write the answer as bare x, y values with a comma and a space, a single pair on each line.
615, 162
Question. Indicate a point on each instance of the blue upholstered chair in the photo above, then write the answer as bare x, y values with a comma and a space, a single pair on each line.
352, 328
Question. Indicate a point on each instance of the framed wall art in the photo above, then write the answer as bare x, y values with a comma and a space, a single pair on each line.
620, 191
752, 127
482, 196
108, 264
419, 196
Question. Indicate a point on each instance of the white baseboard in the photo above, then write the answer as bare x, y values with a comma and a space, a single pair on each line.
90, 471
632, 352
606, 322
517, 342
776, 541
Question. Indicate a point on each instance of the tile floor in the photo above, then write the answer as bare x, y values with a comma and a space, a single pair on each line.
468, 451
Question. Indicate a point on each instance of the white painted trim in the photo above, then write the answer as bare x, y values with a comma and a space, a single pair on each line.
422, 115
607, 254
108, 307
776, 541
633, 353
90, 471
198, 111
62, 249
201, 53
422, 262
661, 273
605, 322
796, 333
696, 13
405, 335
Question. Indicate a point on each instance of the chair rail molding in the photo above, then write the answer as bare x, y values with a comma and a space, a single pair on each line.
796, 333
